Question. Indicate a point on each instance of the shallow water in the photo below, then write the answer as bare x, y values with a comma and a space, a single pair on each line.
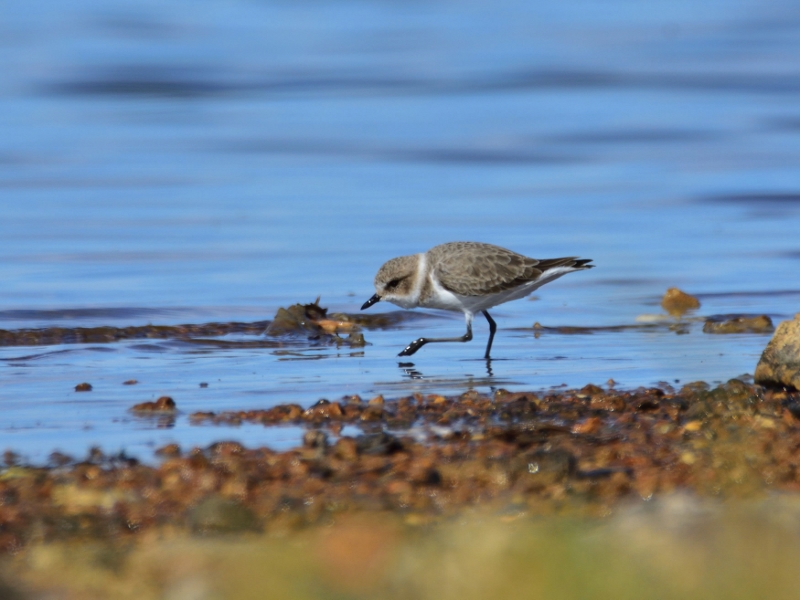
184, 162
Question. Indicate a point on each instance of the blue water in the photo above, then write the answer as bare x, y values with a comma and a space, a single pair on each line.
174, 162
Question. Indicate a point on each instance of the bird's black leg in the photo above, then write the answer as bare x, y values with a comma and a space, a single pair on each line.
419, 343
492, 329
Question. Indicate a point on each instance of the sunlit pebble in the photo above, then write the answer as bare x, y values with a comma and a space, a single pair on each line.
83, 387
130, 382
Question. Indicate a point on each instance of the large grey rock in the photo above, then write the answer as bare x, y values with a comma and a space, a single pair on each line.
780, 361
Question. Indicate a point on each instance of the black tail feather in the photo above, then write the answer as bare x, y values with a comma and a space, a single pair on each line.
567, 261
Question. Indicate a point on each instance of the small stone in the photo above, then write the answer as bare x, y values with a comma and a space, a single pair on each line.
324, 409
226, 448
170, 450
589, 426
130, 382
372, 413
332, 326
757, 324
163, 404
203, 385
591, 390
677, 303
780, 362
83, 387
376, 401
356, 340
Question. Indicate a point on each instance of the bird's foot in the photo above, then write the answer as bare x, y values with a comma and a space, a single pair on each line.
413, 347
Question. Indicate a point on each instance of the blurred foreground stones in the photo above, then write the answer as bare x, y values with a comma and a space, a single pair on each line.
422, 458
780, 362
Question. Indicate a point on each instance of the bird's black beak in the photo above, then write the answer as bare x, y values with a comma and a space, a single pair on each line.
371, 301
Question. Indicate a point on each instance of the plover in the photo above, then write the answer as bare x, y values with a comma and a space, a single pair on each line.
469, 277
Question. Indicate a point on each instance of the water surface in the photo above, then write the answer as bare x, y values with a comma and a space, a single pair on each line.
189, 162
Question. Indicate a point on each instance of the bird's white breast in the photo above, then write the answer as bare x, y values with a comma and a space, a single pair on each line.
442, 298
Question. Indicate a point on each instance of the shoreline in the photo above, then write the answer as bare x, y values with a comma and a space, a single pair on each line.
427, 457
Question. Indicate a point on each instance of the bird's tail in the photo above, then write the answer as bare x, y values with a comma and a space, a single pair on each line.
570, 262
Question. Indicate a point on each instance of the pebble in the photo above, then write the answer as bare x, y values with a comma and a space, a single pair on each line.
163, 404
677, 302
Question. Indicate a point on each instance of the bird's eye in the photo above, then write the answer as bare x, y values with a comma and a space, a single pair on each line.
393, 284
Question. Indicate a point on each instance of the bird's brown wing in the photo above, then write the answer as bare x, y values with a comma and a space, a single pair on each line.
475, 269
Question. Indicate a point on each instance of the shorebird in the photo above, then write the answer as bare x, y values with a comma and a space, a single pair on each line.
470, 277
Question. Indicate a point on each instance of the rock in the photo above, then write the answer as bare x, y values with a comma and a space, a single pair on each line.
742, 324
298, 318
780, 362
170, 450
334, 326
313, 321
346, 448
676, 302
83, 387
590, 390
323, 410
163, 404
356, 340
